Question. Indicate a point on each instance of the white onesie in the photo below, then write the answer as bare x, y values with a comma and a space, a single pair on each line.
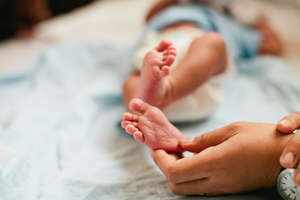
206, 99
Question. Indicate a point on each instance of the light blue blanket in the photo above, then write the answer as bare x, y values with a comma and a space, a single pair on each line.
62, 116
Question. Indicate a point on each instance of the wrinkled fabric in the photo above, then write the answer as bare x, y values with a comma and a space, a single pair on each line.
241, 41
62, 119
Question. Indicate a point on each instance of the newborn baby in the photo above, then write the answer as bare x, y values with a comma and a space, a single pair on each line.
206, 44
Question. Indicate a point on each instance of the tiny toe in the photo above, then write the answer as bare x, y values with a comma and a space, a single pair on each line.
170, 60
171, 48
138, 135
165, 70
127, 116
135, 124
131, 129
172, 52
126, 123
130, 117
164, 44
138, 105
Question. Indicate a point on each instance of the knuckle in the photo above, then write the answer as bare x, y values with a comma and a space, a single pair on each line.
294, 143
201, 138
289, 147
236, 127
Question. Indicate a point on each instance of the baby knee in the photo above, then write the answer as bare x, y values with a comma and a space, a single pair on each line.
130, 83
216, 40
126, 85
213, 40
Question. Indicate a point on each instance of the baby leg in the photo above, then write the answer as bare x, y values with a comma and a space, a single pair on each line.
149, 84
206, 57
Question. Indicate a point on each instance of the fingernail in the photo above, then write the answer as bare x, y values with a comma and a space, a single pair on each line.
285, 122
186, 141
288, 158
298, 178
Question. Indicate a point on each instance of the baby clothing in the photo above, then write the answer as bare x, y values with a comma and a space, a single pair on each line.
241, 42
207, 98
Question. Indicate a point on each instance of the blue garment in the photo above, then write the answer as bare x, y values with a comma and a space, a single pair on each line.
242, 42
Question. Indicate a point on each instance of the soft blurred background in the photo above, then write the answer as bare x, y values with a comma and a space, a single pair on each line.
62, 116
29, 27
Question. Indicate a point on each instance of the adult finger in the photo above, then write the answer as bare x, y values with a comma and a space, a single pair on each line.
186, 169
291, 153
212, 138
289, 123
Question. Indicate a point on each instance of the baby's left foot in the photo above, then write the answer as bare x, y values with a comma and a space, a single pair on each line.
151, 127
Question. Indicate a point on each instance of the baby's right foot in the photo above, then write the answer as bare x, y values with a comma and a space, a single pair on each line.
150, 127
156, 65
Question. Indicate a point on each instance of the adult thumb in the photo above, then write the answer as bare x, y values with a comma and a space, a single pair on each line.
208, 139
289, 123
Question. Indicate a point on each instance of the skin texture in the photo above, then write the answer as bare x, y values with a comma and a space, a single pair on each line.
240, 157
150, 127
291, 155
156, 66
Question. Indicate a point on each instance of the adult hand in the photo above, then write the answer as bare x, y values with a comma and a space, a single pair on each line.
291, 154
239, 157
289, 123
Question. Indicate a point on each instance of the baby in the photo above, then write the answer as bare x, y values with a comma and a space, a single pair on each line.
207, 44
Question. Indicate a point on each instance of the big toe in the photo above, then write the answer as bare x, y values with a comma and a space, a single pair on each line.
138, 106
163, 45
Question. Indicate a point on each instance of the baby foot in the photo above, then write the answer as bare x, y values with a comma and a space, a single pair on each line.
150, 127
156, 65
